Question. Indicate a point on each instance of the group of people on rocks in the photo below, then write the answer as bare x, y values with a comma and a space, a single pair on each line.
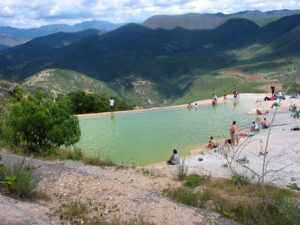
234, 129
233, 140
275, 95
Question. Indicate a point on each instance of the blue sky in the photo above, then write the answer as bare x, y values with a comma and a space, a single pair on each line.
33, 13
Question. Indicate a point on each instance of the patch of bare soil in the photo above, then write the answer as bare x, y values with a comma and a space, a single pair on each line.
232, 71
255, 78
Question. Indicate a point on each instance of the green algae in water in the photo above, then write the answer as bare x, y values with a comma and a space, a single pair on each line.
150, 136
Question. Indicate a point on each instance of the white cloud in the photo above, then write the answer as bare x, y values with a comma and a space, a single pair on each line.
22, 13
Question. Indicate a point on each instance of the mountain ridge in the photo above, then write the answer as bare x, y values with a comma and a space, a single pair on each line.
211, 21
134, 58
19, 35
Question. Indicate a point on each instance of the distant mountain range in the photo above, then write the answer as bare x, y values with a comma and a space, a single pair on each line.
10, 36
163, 62
211, 21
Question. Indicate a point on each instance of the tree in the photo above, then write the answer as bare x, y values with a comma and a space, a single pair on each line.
38, 123
82, 102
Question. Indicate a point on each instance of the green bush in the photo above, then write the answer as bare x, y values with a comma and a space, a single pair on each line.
181, 171
294, 88
19, 178
3, 170
240, 179
38, 123
183, 196
195, 180
95, 160
76, 154
82, 102
290, 213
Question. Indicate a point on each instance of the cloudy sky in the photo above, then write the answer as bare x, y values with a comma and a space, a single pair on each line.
33, 13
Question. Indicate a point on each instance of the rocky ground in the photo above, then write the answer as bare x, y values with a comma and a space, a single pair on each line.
116, 193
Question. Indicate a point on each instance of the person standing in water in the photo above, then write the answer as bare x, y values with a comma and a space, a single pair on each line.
111, 104
225, 97
196, 106
235, 95
214, 98
234, 133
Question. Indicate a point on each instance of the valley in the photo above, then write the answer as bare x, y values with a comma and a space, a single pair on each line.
156, 67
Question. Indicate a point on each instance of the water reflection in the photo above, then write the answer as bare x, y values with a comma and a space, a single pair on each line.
235, 105
112, 118
214, 106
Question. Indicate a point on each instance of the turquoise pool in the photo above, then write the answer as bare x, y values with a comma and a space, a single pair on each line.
150, 136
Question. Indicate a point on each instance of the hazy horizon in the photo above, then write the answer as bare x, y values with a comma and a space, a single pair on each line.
16, 13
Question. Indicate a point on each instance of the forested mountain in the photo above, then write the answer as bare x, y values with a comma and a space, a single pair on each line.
130, 49
133, 54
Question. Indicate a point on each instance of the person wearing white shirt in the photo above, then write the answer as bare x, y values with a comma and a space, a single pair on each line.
174, 160
111, 104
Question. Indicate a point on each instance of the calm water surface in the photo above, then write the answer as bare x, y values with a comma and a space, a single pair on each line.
148, 137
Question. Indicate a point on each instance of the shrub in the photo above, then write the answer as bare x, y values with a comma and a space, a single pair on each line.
19, 178
240, 179
82, 102
290, 213
3, 170
92, 159
76, 154
39, 123
195, 180
96, 160
181, 172
182, 195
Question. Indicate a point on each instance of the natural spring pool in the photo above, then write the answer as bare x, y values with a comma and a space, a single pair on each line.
148, 137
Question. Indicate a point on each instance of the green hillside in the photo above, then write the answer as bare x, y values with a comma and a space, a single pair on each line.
247, 77
64, 81
159, 67
134, 89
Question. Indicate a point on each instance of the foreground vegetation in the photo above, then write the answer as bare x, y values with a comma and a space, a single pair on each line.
37, 123
18, 178
77, 213
238, 199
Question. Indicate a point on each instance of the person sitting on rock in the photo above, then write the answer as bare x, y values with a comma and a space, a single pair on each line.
212, 143
265, 124
174, 160
227, 141
254, 127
